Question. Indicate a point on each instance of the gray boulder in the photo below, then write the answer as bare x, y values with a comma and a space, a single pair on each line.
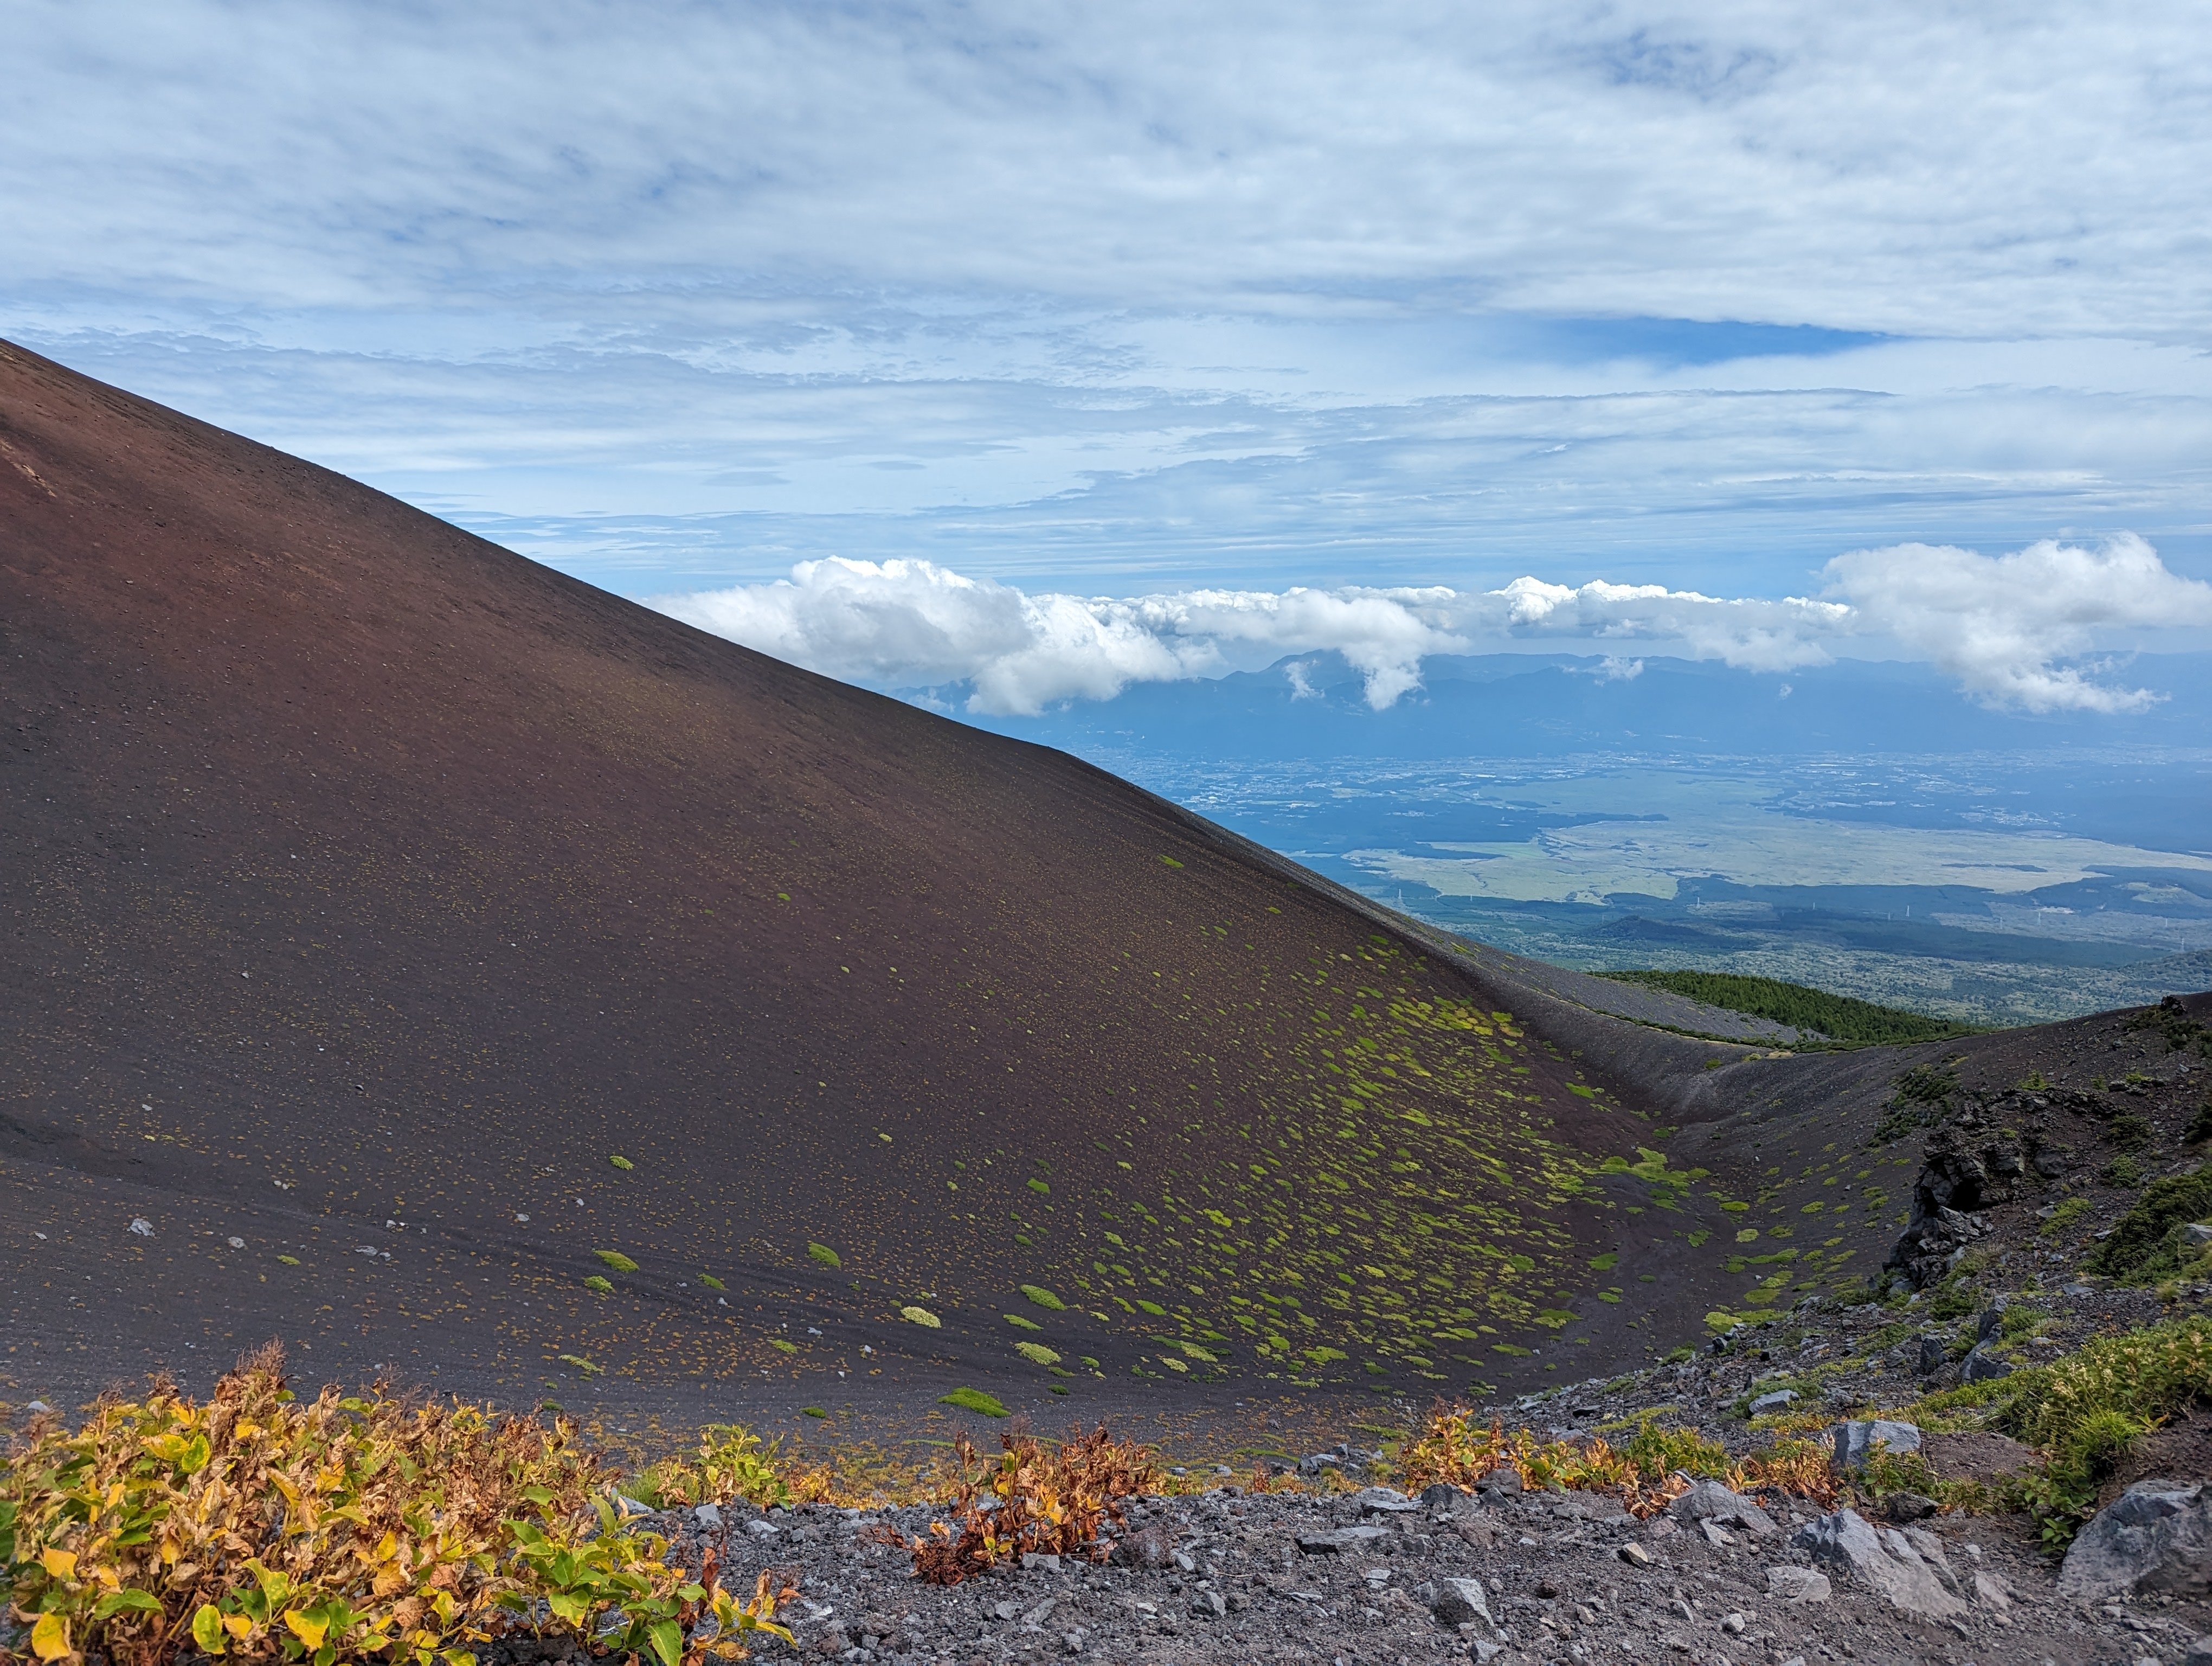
1982, 1366
1908, 1568
1857, 1441
1385, 1501
2156, 1537
1798, 1584
1935, 1352
1709, 1501
1442, 1495
1456, 1601
1779, 1400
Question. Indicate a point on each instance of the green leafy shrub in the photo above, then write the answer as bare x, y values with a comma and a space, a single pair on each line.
2200, 1127
1043, 1298
2146, 1246
2063, 1216
1953, 1299
825, 1254
729, 1462
2083, 1413
2129, 1133
615, 1259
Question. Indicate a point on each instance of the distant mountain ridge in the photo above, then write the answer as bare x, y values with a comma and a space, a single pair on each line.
1517, 705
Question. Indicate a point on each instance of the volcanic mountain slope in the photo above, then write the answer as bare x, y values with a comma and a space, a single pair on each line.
402, 936
449, 968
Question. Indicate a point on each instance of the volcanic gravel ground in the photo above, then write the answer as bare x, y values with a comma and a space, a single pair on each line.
1222, 1576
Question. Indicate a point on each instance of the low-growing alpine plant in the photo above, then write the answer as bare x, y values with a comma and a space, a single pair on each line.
255, 1527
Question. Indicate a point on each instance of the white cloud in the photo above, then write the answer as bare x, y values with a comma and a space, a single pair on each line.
1997, 623
1752, 635
904, 623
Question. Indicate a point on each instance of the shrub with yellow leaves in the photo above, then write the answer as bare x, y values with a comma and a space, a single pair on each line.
1643, 1472
730, 1463
255, 1527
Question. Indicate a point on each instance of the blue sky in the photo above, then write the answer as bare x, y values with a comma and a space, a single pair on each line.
1147, 300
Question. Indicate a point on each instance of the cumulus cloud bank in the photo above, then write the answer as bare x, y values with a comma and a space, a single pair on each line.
1998, 624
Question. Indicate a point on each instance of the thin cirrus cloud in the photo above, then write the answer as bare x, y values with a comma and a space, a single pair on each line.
2001, 625
1895, 167
1186, 299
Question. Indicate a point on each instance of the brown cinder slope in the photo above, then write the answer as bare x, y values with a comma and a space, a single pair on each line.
370, 889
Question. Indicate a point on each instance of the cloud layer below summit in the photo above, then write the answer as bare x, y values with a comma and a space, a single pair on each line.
2003, 626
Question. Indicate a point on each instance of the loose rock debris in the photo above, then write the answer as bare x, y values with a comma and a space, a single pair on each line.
1501, 1579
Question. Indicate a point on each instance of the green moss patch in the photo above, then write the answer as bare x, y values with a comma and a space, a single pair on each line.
974, 1399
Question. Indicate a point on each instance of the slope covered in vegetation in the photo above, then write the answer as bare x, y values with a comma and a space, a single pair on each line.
1837, 1018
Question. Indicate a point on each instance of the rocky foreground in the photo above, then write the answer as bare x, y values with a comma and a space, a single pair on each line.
1500, 1576
1504, 1576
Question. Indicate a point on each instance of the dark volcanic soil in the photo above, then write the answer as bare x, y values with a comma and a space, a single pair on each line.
372, 891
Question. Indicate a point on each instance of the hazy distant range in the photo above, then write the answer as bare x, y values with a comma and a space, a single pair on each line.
1861, 826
